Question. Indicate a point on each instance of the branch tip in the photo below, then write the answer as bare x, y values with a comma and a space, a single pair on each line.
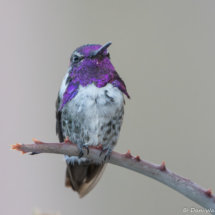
208, 193
37, 141
17, 146
162, 167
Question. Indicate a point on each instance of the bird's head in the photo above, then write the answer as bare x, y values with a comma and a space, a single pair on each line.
91, 63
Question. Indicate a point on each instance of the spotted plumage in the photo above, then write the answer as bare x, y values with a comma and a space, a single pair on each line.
89, 110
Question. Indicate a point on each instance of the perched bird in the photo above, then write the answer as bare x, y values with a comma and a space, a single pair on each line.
89, 111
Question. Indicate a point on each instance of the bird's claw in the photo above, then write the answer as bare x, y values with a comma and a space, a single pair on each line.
108, 153
81, 153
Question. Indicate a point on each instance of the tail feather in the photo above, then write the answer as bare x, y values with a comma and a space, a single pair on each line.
83, 177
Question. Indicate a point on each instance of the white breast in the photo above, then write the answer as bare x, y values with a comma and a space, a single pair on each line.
92, 109
96, 102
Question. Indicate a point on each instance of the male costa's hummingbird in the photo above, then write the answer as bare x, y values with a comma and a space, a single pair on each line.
89, 111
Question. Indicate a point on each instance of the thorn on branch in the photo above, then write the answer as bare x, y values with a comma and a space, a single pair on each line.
208, 193
128, 154
37, 141
137, 158
99, 147
23, 152
67, 140
162, 167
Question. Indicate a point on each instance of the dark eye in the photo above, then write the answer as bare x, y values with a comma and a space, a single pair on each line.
75, 58
106, 55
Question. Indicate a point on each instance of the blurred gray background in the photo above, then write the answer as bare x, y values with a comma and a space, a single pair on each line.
163, 50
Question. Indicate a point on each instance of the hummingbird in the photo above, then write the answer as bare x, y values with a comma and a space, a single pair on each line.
89, 111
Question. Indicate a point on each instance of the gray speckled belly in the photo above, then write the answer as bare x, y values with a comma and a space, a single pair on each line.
94, 116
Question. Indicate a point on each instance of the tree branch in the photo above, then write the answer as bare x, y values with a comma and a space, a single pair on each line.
160, 173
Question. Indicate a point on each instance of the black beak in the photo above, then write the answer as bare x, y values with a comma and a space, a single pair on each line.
102, 49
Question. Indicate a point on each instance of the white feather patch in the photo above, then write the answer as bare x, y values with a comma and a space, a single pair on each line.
74, 159
64, 85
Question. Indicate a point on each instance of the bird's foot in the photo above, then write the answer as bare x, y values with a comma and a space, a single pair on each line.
81, 149
108, 153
